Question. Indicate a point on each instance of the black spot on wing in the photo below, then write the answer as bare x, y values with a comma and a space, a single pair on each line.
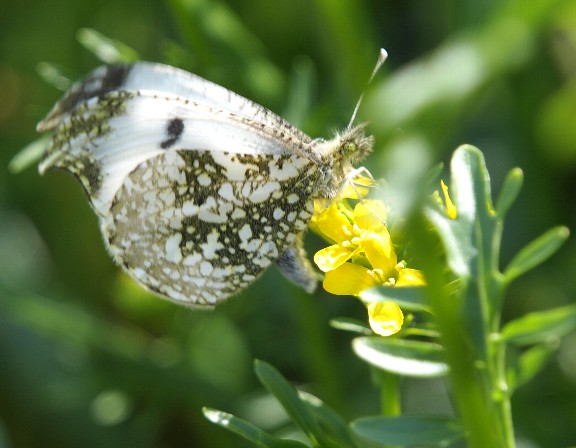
174, 130
114, 78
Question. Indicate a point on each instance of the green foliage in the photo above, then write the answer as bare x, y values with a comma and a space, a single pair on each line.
248, 430
408, 430
325, 428
402, 356
541, 327
470, 346
108, 50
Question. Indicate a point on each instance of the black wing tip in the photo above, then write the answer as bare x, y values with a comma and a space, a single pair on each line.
102, 80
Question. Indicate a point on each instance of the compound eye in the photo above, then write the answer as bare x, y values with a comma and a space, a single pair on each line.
350, 148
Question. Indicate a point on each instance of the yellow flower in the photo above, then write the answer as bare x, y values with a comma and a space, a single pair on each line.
351, 279
385, 318
362, 257
356, 232
451, 210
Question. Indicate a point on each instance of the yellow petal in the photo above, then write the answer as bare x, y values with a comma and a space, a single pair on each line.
333, 223
410, 277
385, 318
331, 257
348, 279
451, 210
379, 250
369, 212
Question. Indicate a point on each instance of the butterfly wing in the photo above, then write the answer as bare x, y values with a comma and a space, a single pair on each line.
104, 138
159, 78
194, 201
189, 226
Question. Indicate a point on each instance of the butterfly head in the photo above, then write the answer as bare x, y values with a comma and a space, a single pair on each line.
354, 145
337, 157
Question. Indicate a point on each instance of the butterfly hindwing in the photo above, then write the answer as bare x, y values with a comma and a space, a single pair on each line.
197, 227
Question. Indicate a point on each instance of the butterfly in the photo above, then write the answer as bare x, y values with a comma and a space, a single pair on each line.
197, 189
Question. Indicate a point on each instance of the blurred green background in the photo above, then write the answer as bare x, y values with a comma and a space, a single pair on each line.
89, 359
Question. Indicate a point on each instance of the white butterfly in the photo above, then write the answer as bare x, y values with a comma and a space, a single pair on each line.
197, 189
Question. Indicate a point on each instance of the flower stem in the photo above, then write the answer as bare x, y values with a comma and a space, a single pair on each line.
501, 395
390, 397
390, 401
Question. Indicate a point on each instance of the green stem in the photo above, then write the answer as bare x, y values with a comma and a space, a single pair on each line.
491, 293
390, 397
467, 368
501, 395
390, 402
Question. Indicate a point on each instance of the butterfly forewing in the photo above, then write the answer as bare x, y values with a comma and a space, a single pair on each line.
105, 138
159, 78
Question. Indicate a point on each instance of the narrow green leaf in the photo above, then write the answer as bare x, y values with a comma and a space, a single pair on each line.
239, 426
333, 425
107, 50
455, 236
403, 357
408, 430
288, 397
29, 155
536, 252
529, 364
470, 183
410, 298
541, 326
509, 192
248, 430
470, 193
55, 75
352, 325
321, 424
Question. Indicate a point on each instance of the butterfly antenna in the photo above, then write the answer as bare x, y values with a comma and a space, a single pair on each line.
381, 58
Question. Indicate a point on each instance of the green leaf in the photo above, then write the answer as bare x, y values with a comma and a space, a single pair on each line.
542, 326
352, 325
509, 192
473, 200
29, 155
107, 50
333, 425
403, 357
470, 183
529, 364
455, 240
248, 430
470, 192
324, 427
409, 298
536, 252
408, 430
55, 75
286, 395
